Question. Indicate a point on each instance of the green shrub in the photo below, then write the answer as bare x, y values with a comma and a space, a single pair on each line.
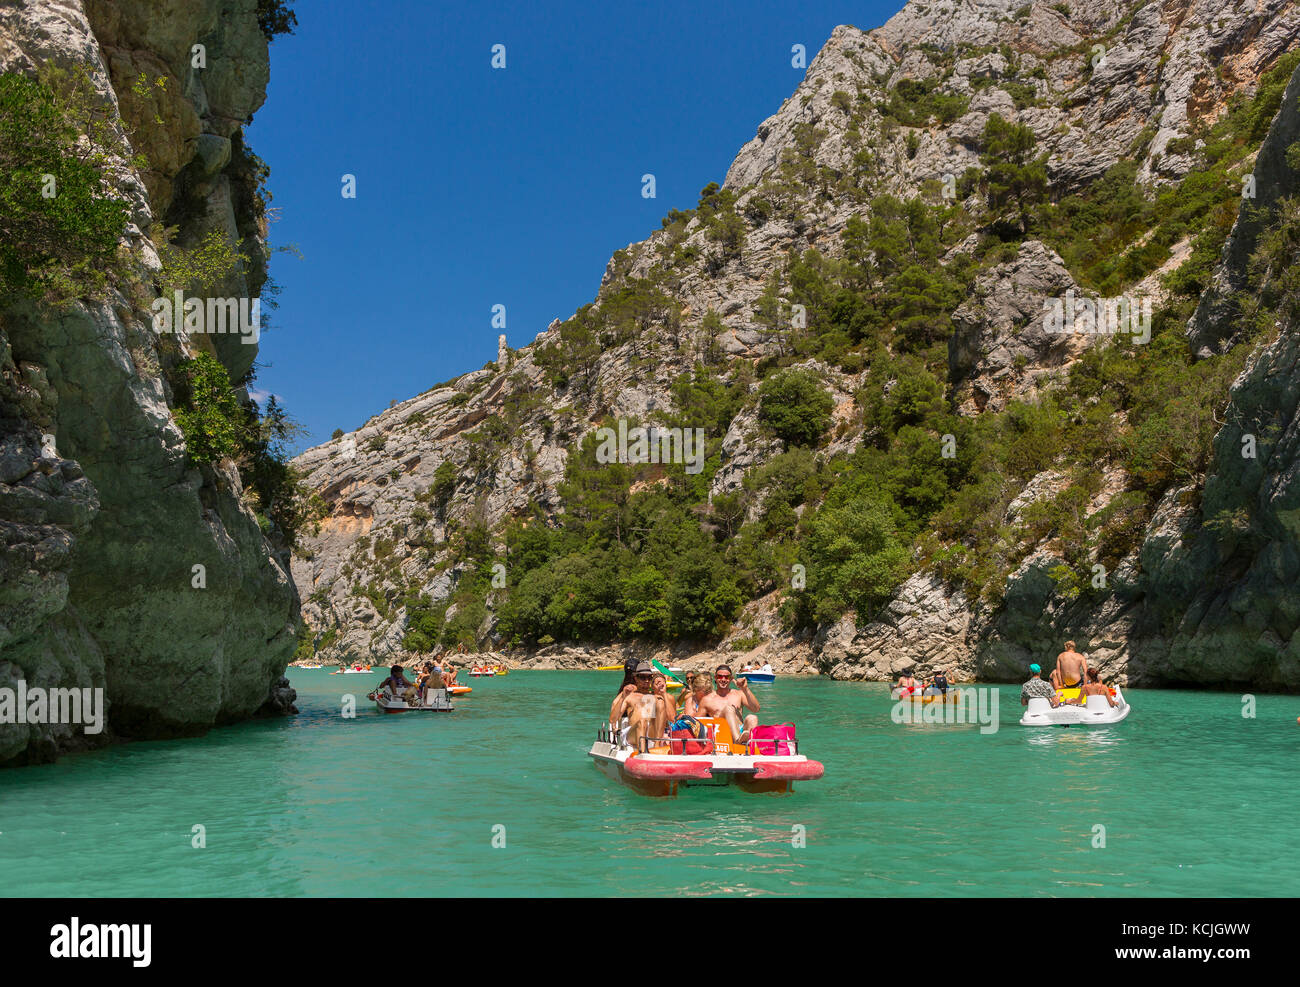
795, 406
63, 246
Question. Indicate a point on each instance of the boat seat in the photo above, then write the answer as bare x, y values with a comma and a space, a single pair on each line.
1098, 704
1038, 706
719, 731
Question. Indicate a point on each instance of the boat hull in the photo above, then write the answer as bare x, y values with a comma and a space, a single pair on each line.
666, 774
435, 702
1097, 713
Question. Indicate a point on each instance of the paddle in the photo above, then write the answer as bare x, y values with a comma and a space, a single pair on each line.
667, 674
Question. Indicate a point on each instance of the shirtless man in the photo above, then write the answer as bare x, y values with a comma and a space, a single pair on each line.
1071, 667
648, 709
724, 702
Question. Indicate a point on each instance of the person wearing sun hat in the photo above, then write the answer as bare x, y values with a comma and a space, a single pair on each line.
647, 710
1036, 688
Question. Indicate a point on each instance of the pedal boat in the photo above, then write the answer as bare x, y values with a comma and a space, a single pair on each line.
764, 674
435, 701
661, 766
1097, 712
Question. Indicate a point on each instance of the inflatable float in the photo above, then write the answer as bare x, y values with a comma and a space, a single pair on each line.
435, 701
1097, 712
660, 766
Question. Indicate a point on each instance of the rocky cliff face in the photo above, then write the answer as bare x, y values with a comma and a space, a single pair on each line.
1096, 82
103, 520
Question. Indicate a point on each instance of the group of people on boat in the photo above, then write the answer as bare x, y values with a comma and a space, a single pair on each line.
937, 684
1071, 673
645, 707
432, 675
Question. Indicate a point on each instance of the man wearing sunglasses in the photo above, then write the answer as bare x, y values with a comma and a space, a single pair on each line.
648, 709
728, 698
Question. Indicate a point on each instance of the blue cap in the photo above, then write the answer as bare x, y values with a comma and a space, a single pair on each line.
1035, 669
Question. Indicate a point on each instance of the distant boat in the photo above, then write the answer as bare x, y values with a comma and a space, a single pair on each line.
764, 674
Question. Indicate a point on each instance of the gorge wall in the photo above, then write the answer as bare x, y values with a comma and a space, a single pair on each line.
103, 518
1202, 589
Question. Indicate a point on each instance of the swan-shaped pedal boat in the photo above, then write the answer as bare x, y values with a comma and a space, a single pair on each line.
658, 766
1097, 711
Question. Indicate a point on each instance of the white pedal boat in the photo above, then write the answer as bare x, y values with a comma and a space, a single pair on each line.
764, 674
435, 701
661, 766
1097, 712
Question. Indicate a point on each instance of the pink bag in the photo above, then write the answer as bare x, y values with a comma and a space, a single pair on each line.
771, 739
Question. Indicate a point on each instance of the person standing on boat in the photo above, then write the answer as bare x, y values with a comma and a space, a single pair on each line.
1036, 688
726, 702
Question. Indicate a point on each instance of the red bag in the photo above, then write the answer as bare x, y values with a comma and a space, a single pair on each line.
689, 744
771, 739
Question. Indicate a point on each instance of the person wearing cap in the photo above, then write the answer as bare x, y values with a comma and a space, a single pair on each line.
1036, 688
648, 710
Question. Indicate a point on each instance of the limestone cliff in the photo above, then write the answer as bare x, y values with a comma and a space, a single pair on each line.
901, 111
102, 516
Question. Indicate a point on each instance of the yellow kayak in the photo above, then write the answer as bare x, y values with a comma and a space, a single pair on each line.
609, 668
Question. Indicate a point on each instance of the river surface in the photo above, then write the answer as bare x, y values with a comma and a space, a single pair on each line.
1188, 797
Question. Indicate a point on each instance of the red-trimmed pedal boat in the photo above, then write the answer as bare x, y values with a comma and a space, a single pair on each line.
661, 766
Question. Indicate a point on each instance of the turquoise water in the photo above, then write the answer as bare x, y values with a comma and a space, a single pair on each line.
1192, 797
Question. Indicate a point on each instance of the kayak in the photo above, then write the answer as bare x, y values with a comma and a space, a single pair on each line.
1096, 712
662, 766
459, 690
609, 668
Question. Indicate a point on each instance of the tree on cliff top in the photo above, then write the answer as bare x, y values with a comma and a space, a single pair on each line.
275, 17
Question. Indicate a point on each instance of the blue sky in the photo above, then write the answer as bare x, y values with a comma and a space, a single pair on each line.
479, 186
